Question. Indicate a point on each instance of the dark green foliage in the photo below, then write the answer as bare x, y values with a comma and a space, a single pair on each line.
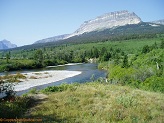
95, 53
145, 71
162, 44
17, 65
14, 107
7, 57
146, 49
48, 62
38, 57
153, 83
125, 63
60, 88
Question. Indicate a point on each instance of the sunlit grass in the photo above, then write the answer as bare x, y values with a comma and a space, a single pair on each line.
12, 78
101, 103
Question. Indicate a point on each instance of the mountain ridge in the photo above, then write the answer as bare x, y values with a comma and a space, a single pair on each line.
5, 44
52, 39
158, 21
105, 21
108, 20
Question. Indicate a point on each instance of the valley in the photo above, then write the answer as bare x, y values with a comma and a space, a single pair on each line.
112, 72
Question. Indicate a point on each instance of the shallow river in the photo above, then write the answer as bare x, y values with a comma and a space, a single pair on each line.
87, 70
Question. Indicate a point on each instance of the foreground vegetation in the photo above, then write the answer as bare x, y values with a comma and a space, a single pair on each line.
136, 63
14, 107
99, 103
93, 102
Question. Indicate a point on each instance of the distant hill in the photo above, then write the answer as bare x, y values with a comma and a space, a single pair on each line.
53, 39
5, 44
158, 22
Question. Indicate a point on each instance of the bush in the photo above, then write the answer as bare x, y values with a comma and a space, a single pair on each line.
60, 88
153, 83
121, 75
33, 91
15, 107
146, 49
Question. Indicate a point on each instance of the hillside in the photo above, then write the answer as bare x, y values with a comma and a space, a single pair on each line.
104, 103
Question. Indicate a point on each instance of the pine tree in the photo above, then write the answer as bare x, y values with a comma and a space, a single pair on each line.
125, 62
162, 44
38, 57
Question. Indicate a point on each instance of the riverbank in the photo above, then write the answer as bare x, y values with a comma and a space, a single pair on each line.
69, 64
44, 77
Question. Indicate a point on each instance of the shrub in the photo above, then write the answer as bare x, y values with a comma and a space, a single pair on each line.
20, 76
122, 75
33, 91
60, 88
153, 83
7, 88
146, 49
15, 108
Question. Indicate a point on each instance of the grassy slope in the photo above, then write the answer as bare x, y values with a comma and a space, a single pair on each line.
101, 103
129, 46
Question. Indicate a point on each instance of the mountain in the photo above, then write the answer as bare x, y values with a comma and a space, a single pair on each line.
5, 44
158, 22
131, 31
52, 39
106, 21
126, 32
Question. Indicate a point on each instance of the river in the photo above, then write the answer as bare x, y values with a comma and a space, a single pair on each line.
87, 69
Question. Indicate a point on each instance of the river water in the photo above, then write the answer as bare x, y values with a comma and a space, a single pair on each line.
87, 69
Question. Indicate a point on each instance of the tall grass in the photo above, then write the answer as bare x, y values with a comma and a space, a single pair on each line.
101, 103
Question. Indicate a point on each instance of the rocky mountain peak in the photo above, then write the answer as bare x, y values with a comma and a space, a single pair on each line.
105, 21
5, 44
108, 20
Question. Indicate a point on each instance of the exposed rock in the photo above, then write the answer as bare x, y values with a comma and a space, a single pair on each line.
4, 44
158, 22
109, 20
53, 39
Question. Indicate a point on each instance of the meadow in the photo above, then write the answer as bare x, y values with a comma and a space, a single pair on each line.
99, 102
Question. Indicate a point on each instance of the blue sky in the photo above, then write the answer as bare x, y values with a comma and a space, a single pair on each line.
25, 21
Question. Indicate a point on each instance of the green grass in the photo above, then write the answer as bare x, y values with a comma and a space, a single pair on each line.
100, 103
130, 46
